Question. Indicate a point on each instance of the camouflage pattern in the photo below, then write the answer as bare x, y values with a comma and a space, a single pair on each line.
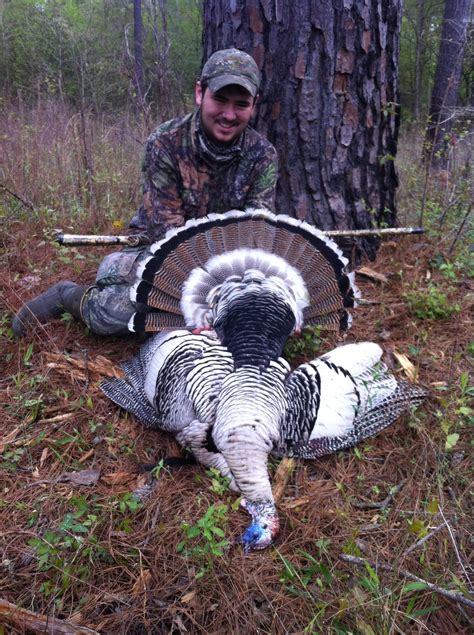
106, 306
187, 176
231, 66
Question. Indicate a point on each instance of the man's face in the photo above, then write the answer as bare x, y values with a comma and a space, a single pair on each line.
226, 113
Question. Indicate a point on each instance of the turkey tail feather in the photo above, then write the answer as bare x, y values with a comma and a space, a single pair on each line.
184, 249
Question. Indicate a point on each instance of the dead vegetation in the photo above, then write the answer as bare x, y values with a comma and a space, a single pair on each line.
78, 554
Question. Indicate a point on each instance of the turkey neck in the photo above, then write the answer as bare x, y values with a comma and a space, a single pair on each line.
255, 327
251, 405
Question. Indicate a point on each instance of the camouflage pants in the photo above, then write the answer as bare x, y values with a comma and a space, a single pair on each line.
106, 307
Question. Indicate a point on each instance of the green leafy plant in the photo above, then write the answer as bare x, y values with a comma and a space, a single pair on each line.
128, 503
67, 551
305, 345
431, 303
304, 579
219, 483
455, 410
205, 540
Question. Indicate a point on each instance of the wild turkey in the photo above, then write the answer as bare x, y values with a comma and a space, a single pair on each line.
224, 390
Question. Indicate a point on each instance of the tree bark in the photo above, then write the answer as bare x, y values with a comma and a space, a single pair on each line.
446, 83
328, 101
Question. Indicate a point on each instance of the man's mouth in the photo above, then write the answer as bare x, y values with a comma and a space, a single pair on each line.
225, 124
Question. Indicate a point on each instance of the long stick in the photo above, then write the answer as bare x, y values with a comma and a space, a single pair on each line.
135, 241
456, 596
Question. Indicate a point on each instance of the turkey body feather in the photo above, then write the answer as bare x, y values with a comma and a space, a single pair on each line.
224, 389
232, 419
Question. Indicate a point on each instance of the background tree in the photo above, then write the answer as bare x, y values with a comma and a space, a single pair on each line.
420, 35
445, 93
83, 52
328, 101
138, 51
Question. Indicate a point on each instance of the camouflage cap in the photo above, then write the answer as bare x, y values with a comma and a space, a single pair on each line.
231, 66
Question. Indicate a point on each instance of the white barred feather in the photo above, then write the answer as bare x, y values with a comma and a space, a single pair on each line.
227, 394
201, 290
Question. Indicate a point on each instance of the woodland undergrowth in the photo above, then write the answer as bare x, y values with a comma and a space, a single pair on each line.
75, 546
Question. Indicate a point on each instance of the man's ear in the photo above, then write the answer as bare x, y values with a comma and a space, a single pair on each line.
198, 93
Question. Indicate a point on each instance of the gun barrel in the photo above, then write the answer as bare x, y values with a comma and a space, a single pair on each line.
91, 240
136, 240
382, 231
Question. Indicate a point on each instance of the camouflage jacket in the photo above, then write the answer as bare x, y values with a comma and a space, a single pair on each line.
186, 176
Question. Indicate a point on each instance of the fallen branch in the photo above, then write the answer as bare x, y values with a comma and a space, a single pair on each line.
455, 596
18, 197
28, 620
371, 274
386, 501
82, 369
456, 551
422, 541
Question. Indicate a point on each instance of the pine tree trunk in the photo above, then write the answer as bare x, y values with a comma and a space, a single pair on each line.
328, 101
446, 83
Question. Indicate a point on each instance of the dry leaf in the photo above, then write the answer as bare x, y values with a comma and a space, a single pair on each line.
282, 476
44, 456
370, 273
11, 436
58, 418
408, 368
297, 502
178, 622
84, 368
87, 455
142, 480
76, 618
189, 598
142, 582
119, 478
84, 477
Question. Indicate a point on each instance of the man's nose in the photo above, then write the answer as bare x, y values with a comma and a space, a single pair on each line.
229, 111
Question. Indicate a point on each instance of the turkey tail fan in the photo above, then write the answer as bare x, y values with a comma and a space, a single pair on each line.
316, 258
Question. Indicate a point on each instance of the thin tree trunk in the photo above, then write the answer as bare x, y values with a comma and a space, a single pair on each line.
446, 83
138, 51
419, 43
328, 101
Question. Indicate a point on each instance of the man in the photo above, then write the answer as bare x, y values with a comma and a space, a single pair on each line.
209, 161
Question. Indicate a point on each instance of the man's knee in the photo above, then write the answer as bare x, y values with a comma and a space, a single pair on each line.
107, 310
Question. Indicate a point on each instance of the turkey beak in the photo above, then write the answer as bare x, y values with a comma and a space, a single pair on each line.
248, 545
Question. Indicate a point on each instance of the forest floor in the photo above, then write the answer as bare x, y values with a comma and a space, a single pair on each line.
76, 547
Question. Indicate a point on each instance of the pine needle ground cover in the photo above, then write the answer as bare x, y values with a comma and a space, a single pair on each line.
77, 548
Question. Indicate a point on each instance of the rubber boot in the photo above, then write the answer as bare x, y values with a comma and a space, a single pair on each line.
63, 296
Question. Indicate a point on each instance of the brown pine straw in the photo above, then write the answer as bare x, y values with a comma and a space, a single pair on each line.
143, 585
